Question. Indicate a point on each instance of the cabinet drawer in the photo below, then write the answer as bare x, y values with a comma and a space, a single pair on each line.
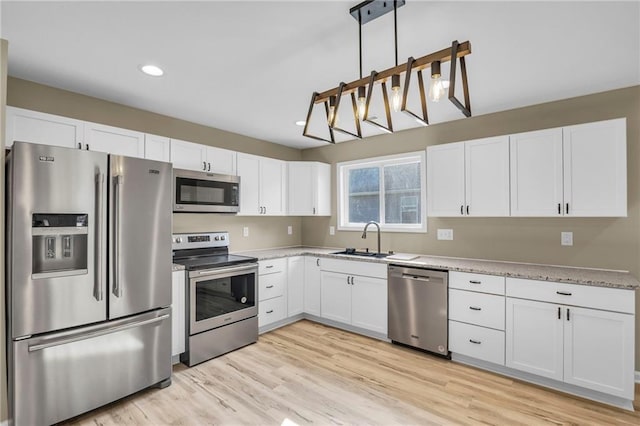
271, 310
353, 267
477, 342
476, 282
607, 299
271, 285
272, 265
486, 310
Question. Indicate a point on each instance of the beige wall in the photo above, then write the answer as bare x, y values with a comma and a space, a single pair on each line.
598, 242
3, 98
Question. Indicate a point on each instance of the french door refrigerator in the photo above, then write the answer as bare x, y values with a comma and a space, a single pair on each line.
88, 279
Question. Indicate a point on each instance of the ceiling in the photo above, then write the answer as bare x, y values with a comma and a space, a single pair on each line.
251, 67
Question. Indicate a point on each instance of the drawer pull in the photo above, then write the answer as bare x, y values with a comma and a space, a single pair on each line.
475, 282
475, 308
475, 342
270, 312
269, 266
270, 286
563, 293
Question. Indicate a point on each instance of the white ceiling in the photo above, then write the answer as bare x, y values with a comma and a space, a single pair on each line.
250, 67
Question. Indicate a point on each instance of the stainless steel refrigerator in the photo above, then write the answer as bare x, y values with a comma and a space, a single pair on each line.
88, 279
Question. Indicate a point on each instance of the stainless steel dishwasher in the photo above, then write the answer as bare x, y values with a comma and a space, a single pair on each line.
418, 308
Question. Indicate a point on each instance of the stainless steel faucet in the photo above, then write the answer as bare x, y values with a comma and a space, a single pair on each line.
364, 233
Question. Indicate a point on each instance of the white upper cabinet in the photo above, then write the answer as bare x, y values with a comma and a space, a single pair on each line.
113, 140
262, 185
194, 156
595, 169
536, 173
577, 171
445, 179
157, 148
469, 178
37, 127
309, 188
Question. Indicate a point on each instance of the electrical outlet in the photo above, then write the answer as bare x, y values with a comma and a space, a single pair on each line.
566, 238
445, 234
290, 230
332, 230
245, 231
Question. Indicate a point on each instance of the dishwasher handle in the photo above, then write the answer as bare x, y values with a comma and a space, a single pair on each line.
416, 277
417, 274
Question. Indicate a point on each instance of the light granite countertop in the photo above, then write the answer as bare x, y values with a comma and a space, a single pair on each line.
177, 267
565, 274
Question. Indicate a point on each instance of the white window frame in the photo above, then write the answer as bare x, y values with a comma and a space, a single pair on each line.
342, 170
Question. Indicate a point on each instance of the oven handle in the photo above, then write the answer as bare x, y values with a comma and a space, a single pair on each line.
222, 271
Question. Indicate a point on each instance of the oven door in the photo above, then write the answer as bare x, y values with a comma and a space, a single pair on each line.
222, 296
205, 192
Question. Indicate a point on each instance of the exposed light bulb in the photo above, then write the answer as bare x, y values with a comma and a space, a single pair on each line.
436, 87
362, 102
396, 94
332, 117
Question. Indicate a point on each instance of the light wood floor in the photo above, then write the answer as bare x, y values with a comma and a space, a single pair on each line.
309, 373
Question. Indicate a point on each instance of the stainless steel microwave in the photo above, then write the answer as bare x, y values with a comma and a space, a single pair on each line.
203, 192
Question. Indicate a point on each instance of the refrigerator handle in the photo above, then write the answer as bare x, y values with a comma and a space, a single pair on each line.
97, 288
117, 284
90, 335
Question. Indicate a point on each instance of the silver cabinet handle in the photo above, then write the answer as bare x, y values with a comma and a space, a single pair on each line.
475, 308
117, 284
269, 286
90, 335
97, 288
475, 342
270, 311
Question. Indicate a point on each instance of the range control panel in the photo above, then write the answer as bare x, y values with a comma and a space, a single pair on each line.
200, 240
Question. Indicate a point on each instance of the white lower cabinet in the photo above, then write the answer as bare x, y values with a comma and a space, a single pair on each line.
312, 285
587, 347
352, 299
272, 284
178, 309
295, 285
477, 342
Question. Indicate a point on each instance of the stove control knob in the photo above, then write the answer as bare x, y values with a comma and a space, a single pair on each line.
217, 238
222, 237
178, 240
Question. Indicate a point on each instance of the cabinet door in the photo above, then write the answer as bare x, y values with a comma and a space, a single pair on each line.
445, 179
47, 129
178, 313
273, 182
369, 303
157, 148
188, 155
536, 173
114, 140
221, 161
302, 181
487, 177
323, 189
335, 297
595, 169
295, 285
249, 172
534, 338
312, 285
598, 350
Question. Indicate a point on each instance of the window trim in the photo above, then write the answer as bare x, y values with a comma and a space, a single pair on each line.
342, 205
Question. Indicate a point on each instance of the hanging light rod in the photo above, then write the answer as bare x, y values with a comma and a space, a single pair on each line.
421, 63
369, 10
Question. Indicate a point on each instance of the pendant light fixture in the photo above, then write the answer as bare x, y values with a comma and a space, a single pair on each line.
364, 86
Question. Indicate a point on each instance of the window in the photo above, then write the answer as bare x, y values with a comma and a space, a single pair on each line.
389, 190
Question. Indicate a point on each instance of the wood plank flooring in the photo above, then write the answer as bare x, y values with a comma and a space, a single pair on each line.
308, 373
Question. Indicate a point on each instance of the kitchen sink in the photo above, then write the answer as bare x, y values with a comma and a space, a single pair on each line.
351, 252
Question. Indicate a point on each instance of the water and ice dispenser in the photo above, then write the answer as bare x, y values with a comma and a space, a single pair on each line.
59, 245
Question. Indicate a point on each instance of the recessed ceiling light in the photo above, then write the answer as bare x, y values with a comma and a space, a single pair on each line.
300, 123
152, 70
